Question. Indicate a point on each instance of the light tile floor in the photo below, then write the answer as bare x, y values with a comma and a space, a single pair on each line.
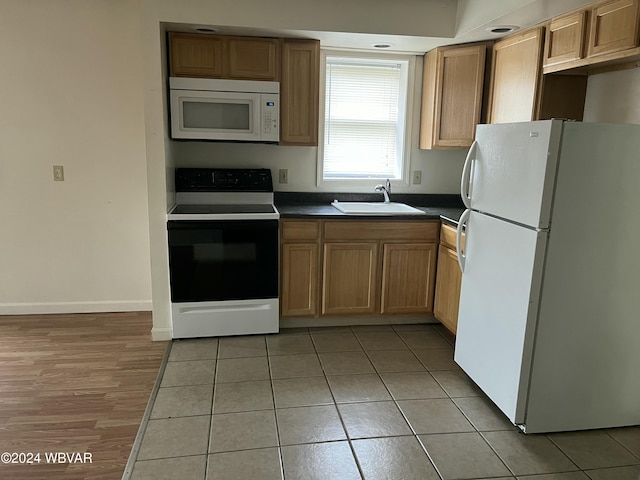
373, 403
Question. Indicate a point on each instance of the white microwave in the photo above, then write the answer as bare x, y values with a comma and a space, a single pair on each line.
228, 110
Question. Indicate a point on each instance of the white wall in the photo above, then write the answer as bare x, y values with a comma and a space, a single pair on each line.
441, 169
401, 17
71, 95
613, 97
301, 15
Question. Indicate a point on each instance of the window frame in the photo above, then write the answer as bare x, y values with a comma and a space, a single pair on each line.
366, 183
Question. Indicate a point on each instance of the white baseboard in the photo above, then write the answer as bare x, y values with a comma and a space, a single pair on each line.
74, 307
161, 334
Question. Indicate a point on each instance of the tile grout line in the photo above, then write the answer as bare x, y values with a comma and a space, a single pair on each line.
623, 446
395, 402
137, 443
213, 392
335, 404
467, 417
275, 413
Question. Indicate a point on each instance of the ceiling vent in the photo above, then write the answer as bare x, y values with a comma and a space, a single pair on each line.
205, 30
502, 29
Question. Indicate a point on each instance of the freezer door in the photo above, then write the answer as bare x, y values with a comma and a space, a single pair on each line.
498, 308
512, 173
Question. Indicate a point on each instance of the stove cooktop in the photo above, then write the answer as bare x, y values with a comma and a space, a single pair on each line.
199, 209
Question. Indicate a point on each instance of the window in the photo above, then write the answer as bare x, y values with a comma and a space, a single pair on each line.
364, 128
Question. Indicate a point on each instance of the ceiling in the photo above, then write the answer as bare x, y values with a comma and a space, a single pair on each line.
449, 22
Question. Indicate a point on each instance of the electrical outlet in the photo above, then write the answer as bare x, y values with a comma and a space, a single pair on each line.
417, 177
58, 173
283, 175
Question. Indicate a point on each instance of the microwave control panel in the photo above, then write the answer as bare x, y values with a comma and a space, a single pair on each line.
270, 117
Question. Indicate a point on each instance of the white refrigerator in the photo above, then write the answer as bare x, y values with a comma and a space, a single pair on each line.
549, 319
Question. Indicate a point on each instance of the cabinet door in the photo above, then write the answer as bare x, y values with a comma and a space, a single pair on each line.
349, 278
564, 40
192, 55
614, 27
516, 77
408, 274
299, 291
452, 96
448, 281
253, 58
299, 92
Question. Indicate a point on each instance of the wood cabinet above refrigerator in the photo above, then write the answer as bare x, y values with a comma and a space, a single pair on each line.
452, 87
520, 93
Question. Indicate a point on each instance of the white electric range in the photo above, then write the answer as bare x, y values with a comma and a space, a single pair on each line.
223, 253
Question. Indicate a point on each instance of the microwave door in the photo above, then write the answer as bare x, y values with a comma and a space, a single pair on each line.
215, 115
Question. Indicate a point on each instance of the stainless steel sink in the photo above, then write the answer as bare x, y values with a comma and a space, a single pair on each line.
375, 208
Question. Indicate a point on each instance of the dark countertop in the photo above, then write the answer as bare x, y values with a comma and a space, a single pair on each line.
451, 216
318, 205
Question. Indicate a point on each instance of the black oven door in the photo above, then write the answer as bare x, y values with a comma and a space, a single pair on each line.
212, 260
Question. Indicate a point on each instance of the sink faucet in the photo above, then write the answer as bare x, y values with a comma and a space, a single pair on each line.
385, 189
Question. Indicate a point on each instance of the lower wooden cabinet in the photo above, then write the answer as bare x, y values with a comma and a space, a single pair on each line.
299, 279
448, 281
348, 267
299, 267
408, 274
349, 277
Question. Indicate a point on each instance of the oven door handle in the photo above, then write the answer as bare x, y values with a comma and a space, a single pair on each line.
225, 308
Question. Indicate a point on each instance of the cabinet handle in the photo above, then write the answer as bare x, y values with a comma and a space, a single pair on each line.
465, 181
461, 256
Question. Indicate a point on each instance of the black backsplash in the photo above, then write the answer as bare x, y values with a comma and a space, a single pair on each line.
315, 198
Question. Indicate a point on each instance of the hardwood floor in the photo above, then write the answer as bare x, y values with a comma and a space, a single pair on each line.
74, 383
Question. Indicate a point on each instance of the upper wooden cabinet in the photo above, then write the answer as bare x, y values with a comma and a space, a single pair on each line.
603, 36
452, 86
614, 27
519, 92
217, 56
253, 58
299, 92
516, 74
565, 38
192, 55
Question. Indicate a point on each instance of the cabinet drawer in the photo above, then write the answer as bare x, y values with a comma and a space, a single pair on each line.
300, 230
381, 230
448, 236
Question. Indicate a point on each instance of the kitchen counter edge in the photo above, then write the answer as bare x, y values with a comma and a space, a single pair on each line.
323, 211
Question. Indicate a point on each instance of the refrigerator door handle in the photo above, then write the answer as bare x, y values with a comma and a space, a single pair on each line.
461, 256
465, 182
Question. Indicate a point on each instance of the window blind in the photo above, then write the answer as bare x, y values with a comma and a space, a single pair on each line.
362, 132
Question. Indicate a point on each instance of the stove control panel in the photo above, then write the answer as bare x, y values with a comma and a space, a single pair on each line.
223, 180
